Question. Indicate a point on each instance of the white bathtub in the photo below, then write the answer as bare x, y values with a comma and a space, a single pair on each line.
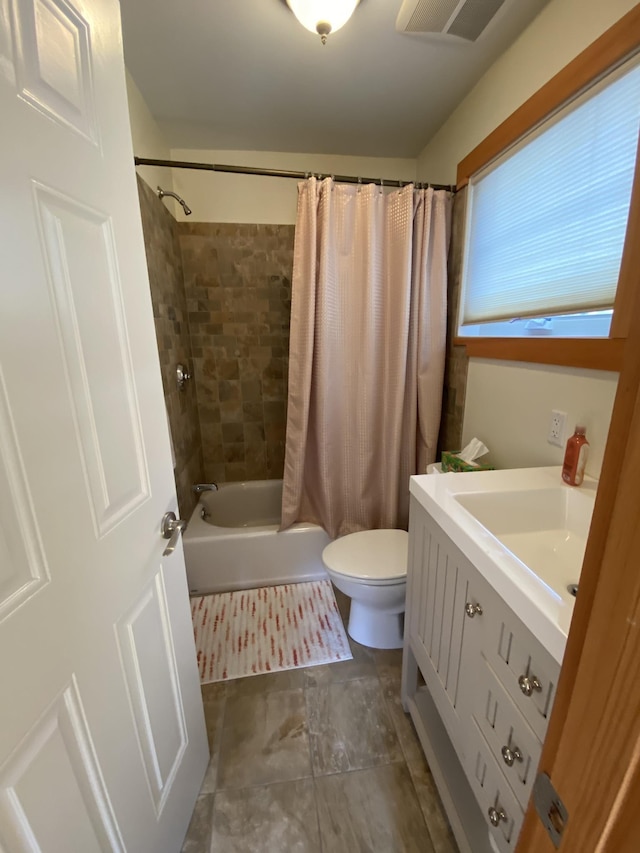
237, 544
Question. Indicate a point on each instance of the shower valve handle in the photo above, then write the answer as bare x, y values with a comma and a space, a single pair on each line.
171, 528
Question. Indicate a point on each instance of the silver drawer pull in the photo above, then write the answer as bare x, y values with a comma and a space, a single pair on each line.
471, 609
509, 756
496, 815
528, 685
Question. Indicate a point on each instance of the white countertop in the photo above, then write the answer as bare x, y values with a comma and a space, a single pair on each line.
541, 609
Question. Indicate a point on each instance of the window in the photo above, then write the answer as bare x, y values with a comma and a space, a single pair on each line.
546, 220
588, 324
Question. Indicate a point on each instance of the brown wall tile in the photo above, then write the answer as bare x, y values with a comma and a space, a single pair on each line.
455, 374
238, 295
164, 261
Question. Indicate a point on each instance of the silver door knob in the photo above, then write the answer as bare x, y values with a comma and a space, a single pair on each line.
497, 815
511, 755
171, 528
471, 609
528, 684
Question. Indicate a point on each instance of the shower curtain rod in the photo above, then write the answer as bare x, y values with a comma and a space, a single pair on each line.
281, 173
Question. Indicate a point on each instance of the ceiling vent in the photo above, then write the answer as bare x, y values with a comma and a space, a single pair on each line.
463, 18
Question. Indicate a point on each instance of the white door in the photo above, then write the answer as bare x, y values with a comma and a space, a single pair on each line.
102, 737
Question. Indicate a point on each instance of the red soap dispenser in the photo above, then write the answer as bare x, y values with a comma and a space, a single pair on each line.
575, 457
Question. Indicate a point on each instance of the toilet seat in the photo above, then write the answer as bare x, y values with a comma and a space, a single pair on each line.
371, 568
375, 557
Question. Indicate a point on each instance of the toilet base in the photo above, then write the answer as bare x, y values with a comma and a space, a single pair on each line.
375, 629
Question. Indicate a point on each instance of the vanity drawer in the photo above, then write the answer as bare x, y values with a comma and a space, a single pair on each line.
512, 742
527, 671
497, 801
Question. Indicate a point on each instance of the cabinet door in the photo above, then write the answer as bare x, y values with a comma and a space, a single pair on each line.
514, 655
520, 662
513, 744
496, 799
436, 595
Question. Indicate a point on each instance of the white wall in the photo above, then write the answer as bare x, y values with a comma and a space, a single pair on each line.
148, 140
219, 197
563, 29
508, 406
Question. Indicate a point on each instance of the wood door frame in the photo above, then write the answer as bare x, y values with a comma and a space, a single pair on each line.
592, 749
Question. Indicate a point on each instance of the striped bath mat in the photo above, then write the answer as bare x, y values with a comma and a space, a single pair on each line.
253, 631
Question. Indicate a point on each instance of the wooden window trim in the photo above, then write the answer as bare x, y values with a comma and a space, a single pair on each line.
607, 52
593, 353
598, 777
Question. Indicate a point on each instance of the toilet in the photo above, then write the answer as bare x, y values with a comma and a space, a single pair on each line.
371, 568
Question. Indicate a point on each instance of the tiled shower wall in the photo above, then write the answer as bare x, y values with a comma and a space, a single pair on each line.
164, 262
238, 288
222, 302
455, 375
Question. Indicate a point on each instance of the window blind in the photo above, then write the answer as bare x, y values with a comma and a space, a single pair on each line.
547, 223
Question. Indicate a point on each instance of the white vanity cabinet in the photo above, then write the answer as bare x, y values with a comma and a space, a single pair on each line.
479, 688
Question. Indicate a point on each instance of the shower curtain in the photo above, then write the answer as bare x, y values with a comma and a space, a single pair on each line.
367, 350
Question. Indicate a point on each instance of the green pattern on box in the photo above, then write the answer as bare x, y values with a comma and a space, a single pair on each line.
452, 462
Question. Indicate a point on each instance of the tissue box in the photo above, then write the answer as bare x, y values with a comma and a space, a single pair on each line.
451, 462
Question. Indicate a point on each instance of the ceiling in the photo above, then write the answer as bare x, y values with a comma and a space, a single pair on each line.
245, 75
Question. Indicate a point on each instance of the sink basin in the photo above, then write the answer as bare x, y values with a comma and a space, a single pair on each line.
525, 531
546, 528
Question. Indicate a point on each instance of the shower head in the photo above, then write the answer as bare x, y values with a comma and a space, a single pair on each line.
162, 193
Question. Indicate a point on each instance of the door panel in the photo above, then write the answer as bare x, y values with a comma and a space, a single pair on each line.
82, 267
53, 63
53, 796
147, 653
102, 739
23, 567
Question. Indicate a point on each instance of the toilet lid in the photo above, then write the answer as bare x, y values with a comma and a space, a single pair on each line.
369, 555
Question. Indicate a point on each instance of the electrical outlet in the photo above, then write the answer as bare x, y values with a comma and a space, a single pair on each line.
556, 428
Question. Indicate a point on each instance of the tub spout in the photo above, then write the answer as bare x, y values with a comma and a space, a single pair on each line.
204, 487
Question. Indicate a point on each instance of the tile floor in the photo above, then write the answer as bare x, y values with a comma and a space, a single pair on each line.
318, 759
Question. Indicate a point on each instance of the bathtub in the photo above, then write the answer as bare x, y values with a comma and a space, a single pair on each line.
232, 541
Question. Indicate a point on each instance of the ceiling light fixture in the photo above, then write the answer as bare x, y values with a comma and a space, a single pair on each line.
322, 16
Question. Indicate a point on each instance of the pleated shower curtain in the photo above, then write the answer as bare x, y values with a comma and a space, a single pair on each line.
367, 351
